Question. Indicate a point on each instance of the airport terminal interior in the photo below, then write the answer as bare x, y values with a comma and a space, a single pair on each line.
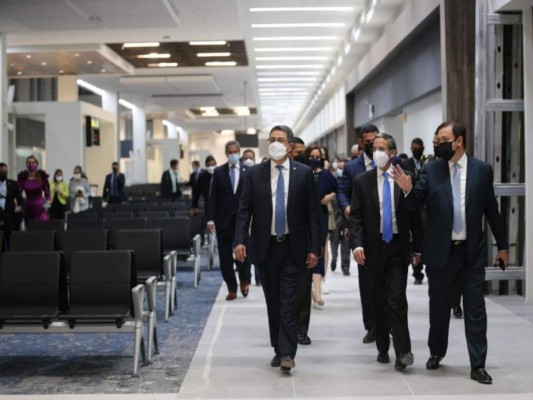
91, 85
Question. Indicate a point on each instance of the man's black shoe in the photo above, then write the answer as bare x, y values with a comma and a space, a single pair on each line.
481, 375
418, 281
276, 361
346, 272
458, 312
403, 360
433, 362
333, 265
303, 339
383, 358
370, 337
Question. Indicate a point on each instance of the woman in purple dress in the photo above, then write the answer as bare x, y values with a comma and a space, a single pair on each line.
34, 183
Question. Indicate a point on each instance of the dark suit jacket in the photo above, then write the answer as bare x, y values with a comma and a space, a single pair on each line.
12, 194
120, 181
351, 170
303, 213
201, 189
365, 219
434, 187
410, 165
223, 203
165, 187
193, 178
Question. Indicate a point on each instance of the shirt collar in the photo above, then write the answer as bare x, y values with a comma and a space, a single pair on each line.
380, 171
461, 162
237, 166
286, 164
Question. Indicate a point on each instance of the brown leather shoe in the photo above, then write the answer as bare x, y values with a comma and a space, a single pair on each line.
245, 287
231, 296
287, 363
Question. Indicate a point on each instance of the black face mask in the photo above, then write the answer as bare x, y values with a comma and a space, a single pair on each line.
315, 163
300, 158
445, 150
417, 153
115, 171
369, 149
3, 176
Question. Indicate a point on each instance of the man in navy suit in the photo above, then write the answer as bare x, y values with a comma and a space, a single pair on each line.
169, 187
279, 199
114, 186
226, 188
355, 167
458, 191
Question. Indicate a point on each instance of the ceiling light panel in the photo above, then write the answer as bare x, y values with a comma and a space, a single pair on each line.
221, 64
141, 44
290, 66
302, 25
291, 49
292, 58
208, 43
154, 55
292, 9
224, 54
295, 38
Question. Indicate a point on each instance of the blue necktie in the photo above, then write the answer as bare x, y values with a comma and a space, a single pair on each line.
279, 223
373, 164
456, 188
232, 177
387, 210
3, 193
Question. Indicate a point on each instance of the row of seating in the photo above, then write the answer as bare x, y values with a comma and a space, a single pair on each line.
102, 294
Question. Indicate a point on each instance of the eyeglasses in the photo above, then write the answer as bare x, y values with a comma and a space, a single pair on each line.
279, 140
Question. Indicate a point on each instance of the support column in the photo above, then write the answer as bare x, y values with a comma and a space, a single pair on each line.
139, 145
67, 88
527, 20
458, 86
110, 103
4, 150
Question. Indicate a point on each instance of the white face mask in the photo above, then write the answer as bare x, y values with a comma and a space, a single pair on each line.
211, 169
381, 158
248, 162
339, 172
334, 165
277, 151
76, 176
59, 178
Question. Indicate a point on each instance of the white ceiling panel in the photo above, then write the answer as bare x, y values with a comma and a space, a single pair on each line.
194, 84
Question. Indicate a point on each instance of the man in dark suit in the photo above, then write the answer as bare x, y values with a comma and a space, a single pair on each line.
226, 189
380, 234
458, 191
10, 204
169, 186
353, 168
195, 174
201, 189
280, 200
114, 186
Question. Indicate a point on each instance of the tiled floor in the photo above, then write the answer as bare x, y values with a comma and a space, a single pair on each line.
232, 358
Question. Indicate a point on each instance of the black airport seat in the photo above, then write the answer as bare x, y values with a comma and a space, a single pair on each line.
115, 225
86, 224
56, 225
24, 241
109, 215
83, 240
89, 214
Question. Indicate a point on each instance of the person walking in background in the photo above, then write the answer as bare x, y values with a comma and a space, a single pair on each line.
10, 204
169, 187
380, 234
459, 193
201, 189
298, 150
59, 193
355, 167
195, 174
279, 200
33, 182
115, 182
326, 187
79, 190
338, 236
226, 189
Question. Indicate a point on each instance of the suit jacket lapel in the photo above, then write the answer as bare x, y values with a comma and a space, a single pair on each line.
470, 176
267, 181
447, 182
396, 196
226, 177
374, 188
293, 174
242, 174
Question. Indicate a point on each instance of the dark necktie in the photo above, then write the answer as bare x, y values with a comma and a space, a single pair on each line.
279, 223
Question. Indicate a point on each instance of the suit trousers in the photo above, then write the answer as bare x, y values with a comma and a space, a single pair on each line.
389, 282
365, 292
225, 239
335, 238
304, 300
441, 285
280, 275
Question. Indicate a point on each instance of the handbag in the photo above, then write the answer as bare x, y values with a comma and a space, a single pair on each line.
332, 225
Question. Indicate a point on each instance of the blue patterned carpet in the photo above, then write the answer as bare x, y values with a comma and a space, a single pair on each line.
102, 363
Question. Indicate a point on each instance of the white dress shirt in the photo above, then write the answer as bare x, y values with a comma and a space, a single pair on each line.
368, 162
381, 180
463, 163
237, 176
274, 176
173, 180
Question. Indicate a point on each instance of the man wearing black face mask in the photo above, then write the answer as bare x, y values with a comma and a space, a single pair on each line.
10, 202
297, 152
355, 167
459, 192
114, 186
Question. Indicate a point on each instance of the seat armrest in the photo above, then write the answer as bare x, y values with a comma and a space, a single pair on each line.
151, 288
138, 301
167, 267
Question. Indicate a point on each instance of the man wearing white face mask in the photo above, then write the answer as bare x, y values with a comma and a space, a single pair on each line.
380, 234
201, 189
280, 201
226, 188
248, 157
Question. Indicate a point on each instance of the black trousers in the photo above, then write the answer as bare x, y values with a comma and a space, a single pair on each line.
225, 253
280, 276
304, 300
389, 282
336, 238
365, 291
441, 284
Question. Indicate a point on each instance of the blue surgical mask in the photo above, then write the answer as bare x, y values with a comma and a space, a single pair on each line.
233, 158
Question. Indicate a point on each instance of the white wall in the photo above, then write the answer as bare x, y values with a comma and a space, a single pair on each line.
213, 141
393, 126
421, 119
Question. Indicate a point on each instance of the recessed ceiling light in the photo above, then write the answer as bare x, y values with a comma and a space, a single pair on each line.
141, 44
226, 132
291, 49
302, 25
221, 63
61, 71
241, 110
226, 54
289, 73
103, 70
28, 55
19, 73
286, 79
308, 66
251, 131
154, 55
283, 9
208, 43
43, 63
164, 64
77, 55
295, 38
296, 58
89, 62
12, 64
